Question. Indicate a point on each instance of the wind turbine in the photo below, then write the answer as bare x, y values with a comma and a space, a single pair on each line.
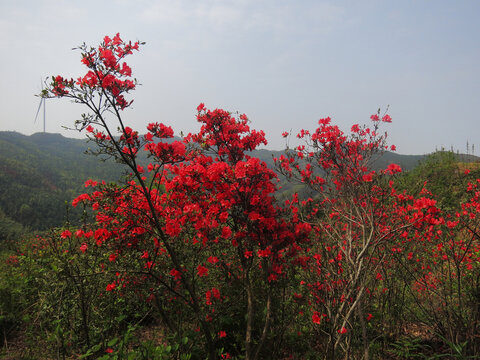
42, 102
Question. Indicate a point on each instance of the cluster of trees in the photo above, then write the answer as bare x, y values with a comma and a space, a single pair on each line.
197, 242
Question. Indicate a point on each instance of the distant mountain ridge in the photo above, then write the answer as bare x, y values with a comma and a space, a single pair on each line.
407, 162
42, 172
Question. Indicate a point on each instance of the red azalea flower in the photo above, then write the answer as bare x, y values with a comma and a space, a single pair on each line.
66, 234
83, 247
111, 286
202, 271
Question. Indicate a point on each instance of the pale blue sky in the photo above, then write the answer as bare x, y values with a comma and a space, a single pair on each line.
283, 63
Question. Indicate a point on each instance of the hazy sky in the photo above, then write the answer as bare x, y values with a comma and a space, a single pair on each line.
283, 63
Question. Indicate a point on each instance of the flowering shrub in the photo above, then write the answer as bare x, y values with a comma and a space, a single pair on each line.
198, 235
356, 216
201, 216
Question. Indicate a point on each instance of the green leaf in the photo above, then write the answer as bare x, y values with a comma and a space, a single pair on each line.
112, 342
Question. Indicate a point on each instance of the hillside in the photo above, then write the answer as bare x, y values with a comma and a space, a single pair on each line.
40, 174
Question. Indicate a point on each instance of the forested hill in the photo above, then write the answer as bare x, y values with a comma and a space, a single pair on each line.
40, 173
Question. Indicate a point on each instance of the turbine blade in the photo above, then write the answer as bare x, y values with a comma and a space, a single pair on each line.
38, 110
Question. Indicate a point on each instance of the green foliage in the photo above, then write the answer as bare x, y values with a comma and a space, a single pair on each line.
442, 175
129, 346
408, 348
10, 231
12, 300
57, 294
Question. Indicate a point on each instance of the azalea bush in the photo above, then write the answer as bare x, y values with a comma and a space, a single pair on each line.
201, 216
443, 272
196, 241
357, 217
